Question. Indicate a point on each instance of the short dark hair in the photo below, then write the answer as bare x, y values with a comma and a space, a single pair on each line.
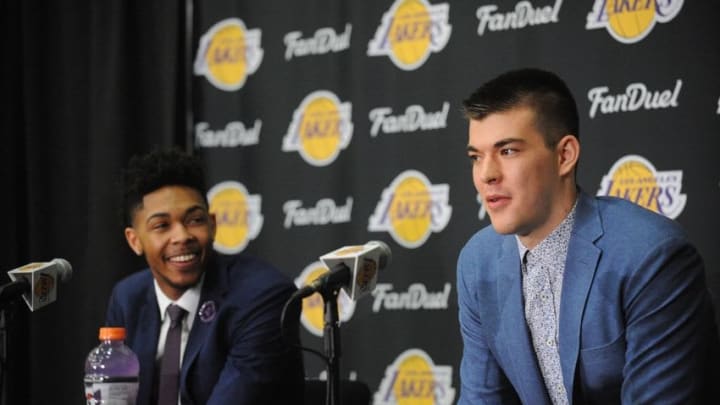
154, 170
545, 93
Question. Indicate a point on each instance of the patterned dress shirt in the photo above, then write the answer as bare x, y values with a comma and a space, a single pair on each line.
542, 273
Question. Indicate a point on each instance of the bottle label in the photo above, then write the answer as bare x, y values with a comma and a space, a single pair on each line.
111, 391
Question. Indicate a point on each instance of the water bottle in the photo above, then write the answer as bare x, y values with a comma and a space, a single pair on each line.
111, 371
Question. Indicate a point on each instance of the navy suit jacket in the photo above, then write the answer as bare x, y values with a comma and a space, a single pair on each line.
238, 356
636, 320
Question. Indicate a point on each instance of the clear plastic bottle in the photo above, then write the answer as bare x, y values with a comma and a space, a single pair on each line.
111, 371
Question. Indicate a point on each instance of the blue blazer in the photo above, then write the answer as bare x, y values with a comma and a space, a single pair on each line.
636, 319
237, 356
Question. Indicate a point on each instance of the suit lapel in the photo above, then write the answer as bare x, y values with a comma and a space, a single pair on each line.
580, 267
213, 292
513, 331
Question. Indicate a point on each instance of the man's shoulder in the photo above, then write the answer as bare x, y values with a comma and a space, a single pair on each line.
248, 288
243, 266
620, 216
629, 231
132, 292
249, 273
135, 283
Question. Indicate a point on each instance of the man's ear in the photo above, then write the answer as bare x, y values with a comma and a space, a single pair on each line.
133, 241
213, 225
568, 153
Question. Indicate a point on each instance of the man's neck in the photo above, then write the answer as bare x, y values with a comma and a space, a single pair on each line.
561, 208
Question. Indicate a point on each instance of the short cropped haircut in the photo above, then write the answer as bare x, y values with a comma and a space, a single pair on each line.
545, 93
152, 171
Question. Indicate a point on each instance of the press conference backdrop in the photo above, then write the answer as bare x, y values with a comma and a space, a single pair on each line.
331, 123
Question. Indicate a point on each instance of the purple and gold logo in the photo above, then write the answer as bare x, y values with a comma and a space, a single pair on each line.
414, 379
631, 21
635, 179
228, 53
411, 208
237, 214
410, 31
321, 127
43, 286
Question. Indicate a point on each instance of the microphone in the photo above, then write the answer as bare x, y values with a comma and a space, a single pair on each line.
354, 268
37, 282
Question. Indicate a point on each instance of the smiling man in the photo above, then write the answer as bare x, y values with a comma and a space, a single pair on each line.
569, 298
206, 328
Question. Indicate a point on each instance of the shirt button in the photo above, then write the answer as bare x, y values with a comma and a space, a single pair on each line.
550, 342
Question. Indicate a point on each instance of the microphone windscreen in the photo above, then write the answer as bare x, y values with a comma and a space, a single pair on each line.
64, 269
385, 253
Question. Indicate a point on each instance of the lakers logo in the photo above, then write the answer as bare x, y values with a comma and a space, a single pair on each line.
44, 286
635, 179
313, 307
631, 21
411, 209
228, 53
237, 214
413, 379
320, 128
410, 31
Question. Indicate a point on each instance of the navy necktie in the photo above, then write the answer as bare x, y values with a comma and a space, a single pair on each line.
170, 363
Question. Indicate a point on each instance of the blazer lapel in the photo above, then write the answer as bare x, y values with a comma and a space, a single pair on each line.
213, 292
513, 333
580, 267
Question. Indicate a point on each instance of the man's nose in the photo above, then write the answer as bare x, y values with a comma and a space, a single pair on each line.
489, 171
180, 233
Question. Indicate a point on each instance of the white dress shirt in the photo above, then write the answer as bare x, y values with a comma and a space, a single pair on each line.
189, 301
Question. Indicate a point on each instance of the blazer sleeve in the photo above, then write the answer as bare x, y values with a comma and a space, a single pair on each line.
482, 380
260, 367
670, 327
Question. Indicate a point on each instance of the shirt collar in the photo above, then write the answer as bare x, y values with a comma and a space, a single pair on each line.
561, 232
188, 301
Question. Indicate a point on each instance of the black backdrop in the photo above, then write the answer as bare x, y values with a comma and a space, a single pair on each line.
86, 84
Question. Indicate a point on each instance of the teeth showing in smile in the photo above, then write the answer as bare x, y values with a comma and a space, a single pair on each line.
182, 258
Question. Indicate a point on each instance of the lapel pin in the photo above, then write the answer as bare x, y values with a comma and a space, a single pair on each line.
207, 311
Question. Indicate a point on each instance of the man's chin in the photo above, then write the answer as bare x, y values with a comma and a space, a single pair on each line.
186, 281
502, 228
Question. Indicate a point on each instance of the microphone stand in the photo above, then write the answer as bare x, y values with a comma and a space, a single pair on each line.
331, 337
328, 288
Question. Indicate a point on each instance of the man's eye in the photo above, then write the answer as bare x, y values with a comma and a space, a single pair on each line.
474, 158
198, 220
508, 151
160, 225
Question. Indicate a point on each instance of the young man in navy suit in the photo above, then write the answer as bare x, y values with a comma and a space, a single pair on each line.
231, 348
569, 298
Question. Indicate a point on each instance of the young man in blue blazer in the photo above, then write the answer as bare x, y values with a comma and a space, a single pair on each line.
568, 298
231, 345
